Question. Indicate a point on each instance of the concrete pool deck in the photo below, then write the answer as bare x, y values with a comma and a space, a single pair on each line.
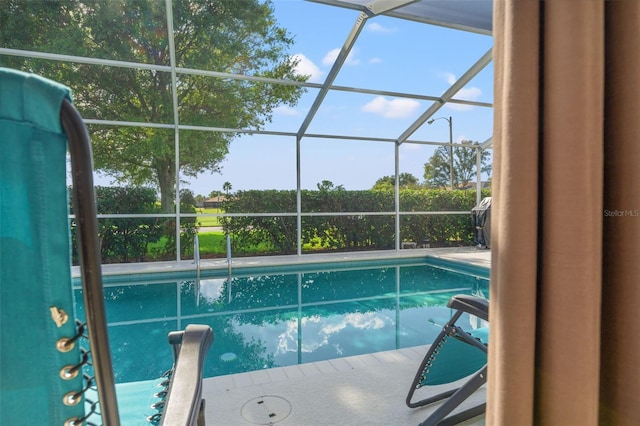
359, 390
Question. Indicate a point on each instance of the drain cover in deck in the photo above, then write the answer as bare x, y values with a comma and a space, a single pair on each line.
266, 410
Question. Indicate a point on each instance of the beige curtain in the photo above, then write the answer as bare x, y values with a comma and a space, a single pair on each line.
565, 285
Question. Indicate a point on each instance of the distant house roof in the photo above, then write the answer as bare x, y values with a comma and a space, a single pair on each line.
214, 201
218, 199
472, 185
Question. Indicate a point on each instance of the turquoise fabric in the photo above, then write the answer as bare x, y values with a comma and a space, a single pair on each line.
456, 359
134, 402
34, 253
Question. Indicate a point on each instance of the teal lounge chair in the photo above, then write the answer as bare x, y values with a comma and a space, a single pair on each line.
51, 373
456, 355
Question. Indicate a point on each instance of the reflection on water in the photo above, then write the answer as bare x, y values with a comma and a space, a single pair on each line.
278, 319
211, 290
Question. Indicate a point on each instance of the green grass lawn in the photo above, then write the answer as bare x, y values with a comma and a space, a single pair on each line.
208, 220
211, 244
214, 244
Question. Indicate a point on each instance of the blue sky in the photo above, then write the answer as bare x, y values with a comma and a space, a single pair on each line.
390, 54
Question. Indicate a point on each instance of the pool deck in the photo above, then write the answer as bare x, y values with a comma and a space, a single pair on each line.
470, 255
359, 390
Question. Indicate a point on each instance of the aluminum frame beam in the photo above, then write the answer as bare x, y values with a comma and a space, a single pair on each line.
372, 9
447, 95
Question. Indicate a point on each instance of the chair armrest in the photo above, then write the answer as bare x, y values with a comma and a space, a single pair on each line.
183, 400
473, 305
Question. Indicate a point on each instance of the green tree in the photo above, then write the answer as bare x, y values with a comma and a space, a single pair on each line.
405, 180
226, 187
327, 185
124, 239
436, 170
237, 37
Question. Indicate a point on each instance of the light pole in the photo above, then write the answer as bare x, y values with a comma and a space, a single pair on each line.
450, 120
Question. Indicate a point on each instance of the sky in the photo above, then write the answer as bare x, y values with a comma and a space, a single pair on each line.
390, 54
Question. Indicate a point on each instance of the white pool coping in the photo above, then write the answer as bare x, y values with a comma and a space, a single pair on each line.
470, 255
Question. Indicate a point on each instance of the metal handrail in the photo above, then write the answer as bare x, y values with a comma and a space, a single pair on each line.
229, 254
85, 210
196, 260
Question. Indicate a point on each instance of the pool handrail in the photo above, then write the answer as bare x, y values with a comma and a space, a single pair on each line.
85, 211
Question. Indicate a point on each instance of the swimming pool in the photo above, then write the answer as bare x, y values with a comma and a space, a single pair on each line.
278, 316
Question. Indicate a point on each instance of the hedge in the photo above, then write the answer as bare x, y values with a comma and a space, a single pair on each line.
125, 240
130, 239
352, 232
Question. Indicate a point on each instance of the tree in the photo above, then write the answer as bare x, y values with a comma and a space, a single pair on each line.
327, 185
200, 200
436, 170
405, 180
227, 187
237, 37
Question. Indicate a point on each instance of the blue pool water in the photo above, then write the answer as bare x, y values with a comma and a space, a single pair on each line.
281, 316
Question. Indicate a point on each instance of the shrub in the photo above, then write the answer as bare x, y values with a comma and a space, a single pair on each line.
351, 232
126, 239
188, 228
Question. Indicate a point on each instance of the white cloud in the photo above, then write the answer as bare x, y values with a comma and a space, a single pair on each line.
319, 330
286, 110
451, 78
331, 56
375, 60
211, 289
466, 93
469, 93
306, 66
394, 108
377, 28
